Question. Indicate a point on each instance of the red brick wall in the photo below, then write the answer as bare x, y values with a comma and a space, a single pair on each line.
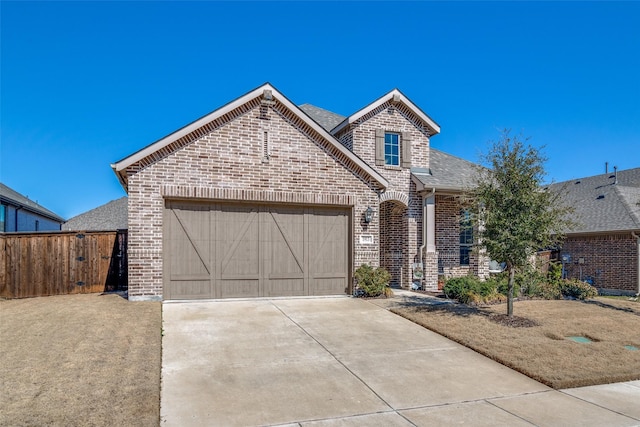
610, 260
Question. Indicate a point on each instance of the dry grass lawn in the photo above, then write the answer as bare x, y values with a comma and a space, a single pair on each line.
543, 352
79, 360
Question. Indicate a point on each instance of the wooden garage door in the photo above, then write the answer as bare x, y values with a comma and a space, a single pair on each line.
227, 251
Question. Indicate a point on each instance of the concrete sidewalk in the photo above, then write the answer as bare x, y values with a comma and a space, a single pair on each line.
349, 362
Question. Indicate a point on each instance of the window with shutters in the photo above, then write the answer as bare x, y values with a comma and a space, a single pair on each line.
392, 149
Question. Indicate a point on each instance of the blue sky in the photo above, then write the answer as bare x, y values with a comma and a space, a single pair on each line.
84, 84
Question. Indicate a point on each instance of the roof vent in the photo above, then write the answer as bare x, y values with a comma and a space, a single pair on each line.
600, 197
578, 182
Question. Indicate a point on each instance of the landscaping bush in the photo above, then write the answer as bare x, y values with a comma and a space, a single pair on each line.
576, 289
458, 287
471, 290
372, 281
547, 290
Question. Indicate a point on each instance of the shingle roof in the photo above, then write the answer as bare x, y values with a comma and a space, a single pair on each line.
446, 172
11, 196
601, 205
325, 118
110, 216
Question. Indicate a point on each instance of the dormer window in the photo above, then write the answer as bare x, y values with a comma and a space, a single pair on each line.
391, 149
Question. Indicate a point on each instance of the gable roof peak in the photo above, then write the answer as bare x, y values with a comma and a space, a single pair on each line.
394, 96
270, 95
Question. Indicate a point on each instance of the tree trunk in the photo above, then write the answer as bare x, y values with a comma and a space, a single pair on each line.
512, 274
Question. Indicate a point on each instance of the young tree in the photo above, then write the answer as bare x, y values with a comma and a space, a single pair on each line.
513, 214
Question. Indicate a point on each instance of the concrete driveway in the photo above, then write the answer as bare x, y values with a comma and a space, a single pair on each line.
349, 362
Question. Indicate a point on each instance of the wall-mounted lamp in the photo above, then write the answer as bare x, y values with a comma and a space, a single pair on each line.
368, 215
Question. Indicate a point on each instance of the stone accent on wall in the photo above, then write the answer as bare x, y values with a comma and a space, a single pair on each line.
610, 261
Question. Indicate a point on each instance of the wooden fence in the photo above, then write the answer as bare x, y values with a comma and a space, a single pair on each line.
57, 263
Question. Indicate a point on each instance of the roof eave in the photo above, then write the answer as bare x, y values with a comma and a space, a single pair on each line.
120, 166
378, 102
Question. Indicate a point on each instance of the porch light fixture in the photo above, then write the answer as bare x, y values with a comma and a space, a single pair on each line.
368, 215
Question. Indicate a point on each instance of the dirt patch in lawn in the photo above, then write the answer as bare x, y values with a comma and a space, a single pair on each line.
535, 342
89, 359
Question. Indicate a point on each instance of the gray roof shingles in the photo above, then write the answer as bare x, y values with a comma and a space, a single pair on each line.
110, 216
325, 118
601, 205
447, 172
11, 196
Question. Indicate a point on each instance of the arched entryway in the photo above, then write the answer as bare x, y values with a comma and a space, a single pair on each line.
394, 250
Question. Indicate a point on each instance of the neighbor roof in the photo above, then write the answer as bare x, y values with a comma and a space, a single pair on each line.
445, 172
110, 216
325, 118
12, 197
121, 166
601, 204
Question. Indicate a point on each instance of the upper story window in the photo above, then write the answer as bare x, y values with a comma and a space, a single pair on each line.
392, 149
466, 237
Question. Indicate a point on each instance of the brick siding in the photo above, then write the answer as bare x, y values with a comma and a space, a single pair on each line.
611, 261
231, 158
228, 162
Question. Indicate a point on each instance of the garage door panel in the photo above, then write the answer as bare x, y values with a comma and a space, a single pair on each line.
241, 251
328, 252
191, 289
238, 242
187, 229
328, 286
284, 236
279, 287
239, 289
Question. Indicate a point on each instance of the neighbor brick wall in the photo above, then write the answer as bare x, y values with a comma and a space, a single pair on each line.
610, 260
229, 160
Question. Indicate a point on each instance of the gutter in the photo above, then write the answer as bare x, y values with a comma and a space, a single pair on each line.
638, 270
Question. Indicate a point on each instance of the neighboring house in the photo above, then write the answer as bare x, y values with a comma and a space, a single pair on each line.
603, 247
110, 216
262, 197
19, 213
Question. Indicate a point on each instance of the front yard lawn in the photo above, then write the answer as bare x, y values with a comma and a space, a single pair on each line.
537, 343
79, 360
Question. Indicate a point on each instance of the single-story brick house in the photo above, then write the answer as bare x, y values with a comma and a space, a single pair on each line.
263, 197
603, 248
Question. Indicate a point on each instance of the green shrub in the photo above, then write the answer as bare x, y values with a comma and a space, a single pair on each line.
555, 272
576, 289
457, 287
372, 281
469, 289
547, 290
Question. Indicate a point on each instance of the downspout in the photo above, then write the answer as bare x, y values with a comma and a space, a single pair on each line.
424, 226
638, 270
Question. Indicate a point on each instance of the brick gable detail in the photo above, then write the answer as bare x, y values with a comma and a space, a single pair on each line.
228, 163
